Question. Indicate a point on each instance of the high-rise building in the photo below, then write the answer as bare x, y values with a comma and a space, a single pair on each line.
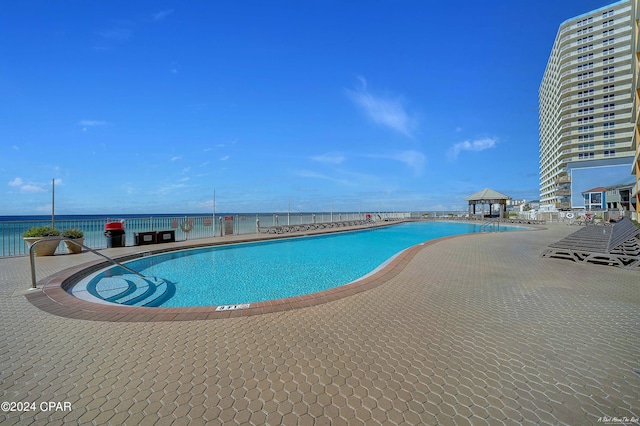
586, 103
635, 13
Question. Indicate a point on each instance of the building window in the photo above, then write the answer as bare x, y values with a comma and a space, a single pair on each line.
609, 144
606, 61
607, 107
607, 23
585, 75
586, 146
610, 153
585, 84
610, 116
608, 41
585, 120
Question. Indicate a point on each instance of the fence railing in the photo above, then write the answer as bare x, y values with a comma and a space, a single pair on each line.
184, 227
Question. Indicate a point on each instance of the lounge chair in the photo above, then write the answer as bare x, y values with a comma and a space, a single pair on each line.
616, 245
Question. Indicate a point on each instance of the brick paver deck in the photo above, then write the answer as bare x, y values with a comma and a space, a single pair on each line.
469, 330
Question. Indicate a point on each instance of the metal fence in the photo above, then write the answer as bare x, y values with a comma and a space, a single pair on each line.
184, 227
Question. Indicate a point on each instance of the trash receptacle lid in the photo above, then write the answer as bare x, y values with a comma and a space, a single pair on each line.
114, 226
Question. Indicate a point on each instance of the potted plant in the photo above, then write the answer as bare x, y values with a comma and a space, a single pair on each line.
37, 233
78, 236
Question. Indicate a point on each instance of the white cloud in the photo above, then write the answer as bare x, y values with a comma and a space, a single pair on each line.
225, 158
413, 159
31, 189
159, 16
176, 158
383, 110
170, 188
315, 175
476, 145
15, 148
57, 181
329, 158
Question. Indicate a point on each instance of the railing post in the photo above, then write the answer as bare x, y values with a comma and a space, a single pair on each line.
33, 266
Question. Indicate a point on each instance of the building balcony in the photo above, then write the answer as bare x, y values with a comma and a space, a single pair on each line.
563, 192
563, 179
563, 206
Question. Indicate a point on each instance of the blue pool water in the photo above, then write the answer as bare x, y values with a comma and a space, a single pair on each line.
254, 272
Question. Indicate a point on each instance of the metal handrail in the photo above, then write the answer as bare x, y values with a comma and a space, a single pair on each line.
33, 264
491, 222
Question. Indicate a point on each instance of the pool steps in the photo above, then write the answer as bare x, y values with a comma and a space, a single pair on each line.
133, 290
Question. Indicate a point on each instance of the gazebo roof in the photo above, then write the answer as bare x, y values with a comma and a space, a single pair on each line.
486, 195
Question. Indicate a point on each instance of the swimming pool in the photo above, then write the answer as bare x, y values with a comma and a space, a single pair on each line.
239, 274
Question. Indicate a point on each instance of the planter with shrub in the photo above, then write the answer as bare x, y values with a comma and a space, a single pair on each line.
78, 236
45, 248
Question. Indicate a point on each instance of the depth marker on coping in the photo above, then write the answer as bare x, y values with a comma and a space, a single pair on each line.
233, 307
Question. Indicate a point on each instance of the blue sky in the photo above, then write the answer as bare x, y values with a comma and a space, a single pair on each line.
150, 107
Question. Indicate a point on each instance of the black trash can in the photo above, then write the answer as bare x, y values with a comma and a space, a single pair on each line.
114, 231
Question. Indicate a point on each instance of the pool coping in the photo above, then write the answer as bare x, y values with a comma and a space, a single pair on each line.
54, 298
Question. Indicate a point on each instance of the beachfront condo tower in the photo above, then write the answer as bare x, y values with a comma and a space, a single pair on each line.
588, 108
636, 104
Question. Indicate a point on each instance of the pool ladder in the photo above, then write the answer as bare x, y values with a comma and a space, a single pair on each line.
491, 223
33, 262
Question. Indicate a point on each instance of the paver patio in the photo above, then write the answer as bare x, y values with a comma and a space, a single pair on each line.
473, 330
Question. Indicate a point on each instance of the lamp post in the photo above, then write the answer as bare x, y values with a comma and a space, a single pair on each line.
53, 203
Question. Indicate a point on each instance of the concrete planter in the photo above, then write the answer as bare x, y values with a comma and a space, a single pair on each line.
74, 248
45, 248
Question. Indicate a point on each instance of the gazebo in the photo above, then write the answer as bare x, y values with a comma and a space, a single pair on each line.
490, 197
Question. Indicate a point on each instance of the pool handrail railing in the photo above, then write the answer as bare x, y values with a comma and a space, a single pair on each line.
33, 263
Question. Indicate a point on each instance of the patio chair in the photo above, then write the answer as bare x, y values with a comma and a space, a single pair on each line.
616, 245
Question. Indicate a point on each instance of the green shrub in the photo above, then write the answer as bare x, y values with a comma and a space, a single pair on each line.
73, 233
42, 231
